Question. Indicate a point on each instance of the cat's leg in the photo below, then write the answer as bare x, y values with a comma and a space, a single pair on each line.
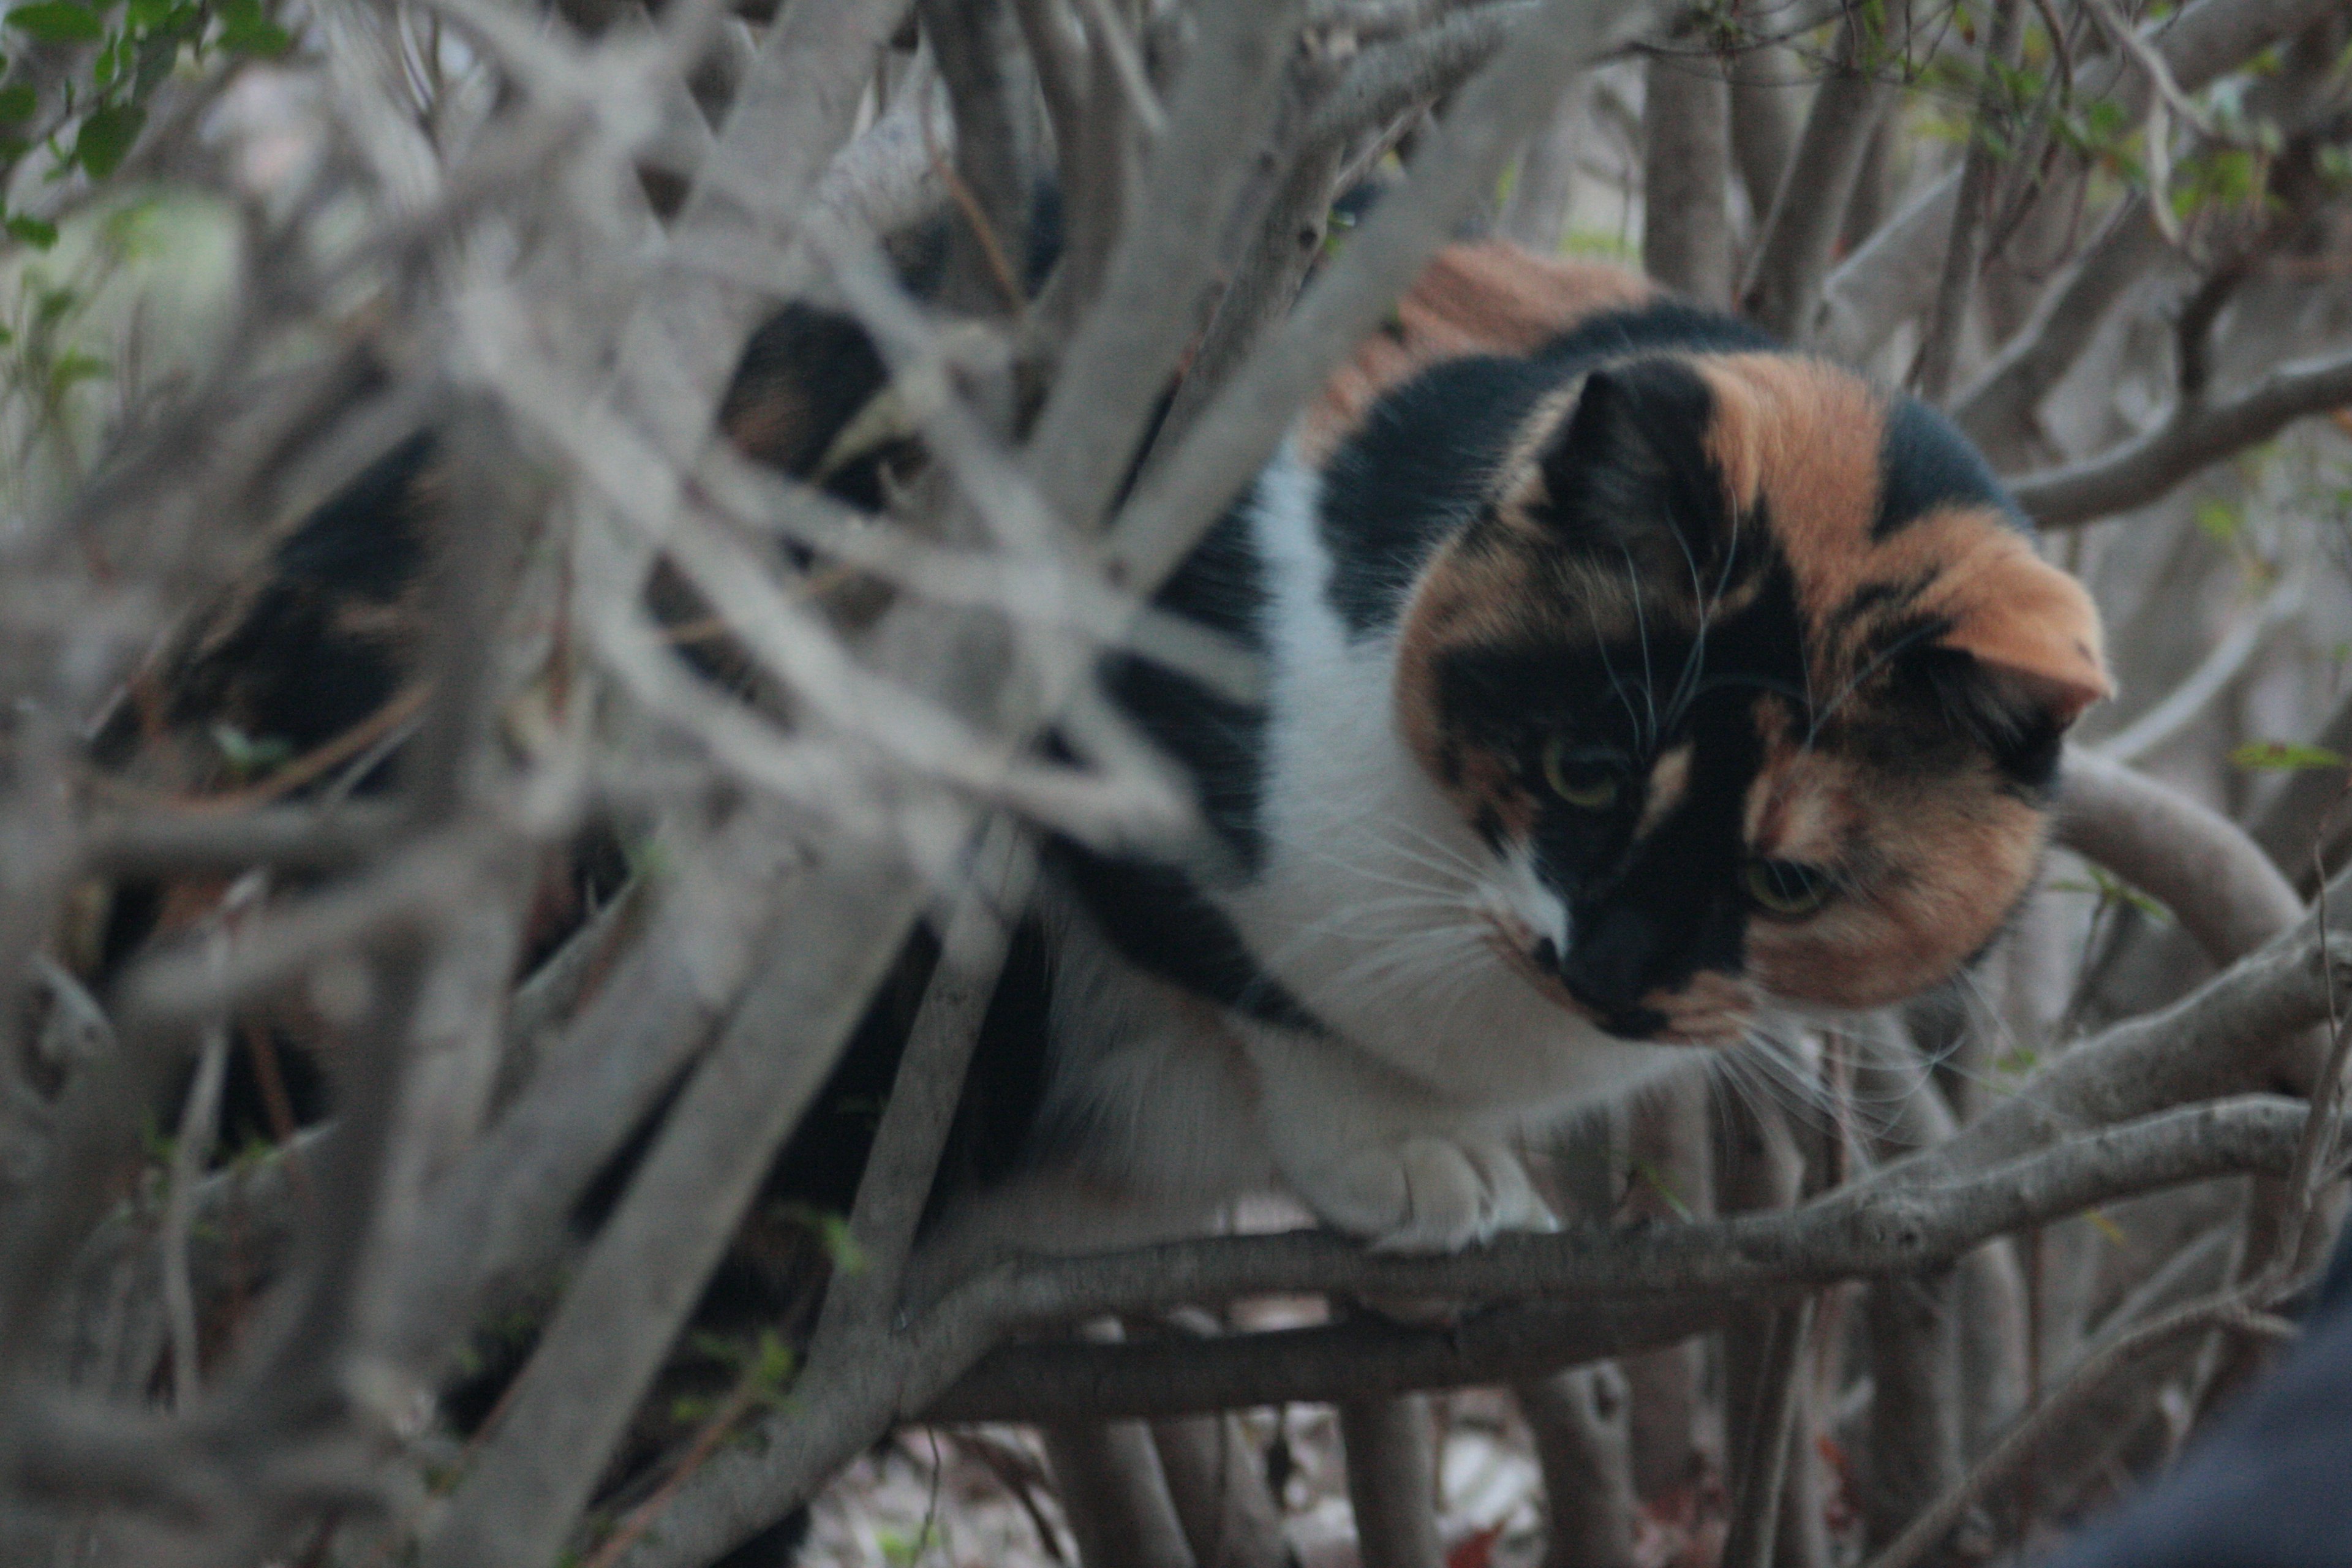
1377, 1154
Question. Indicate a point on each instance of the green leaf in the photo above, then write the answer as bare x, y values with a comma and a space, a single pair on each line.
2017, 1063
2108, 1228
33, 231
106, 138
2286, 757
247, 29
1663, 1188
59, 22
2218, 521
74, 366
146, 14
2112, 889
248, 757
17, 103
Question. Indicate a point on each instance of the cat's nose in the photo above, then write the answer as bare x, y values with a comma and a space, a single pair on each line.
1607, 967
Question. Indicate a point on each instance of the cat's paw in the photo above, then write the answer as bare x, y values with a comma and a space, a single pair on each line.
1426, 1194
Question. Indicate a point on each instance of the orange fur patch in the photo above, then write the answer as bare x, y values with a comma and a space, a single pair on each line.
1487, 298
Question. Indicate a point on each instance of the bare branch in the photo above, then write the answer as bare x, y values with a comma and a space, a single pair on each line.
923, 1097
1393, 1481
1686, 167
2141, 470
1390, 79
1496, 114
1971, 211
1123, 352
621, 1315
1220, 1494
1794, 251
1629, 1291
1580, 1423
1755, 1530
1996, 410
1116, 1500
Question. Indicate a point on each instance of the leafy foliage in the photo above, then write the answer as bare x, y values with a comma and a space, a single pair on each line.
93, 118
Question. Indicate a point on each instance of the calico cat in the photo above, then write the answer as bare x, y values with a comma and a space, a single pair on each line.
1628, 677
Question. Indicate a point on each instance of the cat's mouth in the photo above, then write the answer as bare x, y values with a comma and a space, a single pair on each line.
1713, 1011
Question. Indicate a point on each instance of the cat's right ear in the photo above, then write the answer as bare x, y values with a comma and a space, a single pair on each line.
1627, 468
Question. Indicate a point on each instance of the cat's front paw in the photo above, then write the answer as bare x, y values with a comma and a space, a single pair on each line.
1426, 1194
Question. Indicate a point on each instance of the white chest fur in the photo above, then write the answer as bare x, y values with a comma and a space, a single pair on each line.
1368, 908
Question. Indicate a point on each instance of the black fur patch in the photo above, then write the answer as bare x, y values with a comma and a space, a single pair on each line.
1218, 742
1648, 914
1158, 921
1661, 326
1420, 465
1925, 463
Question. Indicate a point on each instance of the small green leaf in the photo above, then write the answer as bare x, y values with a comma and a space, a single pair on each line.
247, 29
2112, 889
2017, 1063
147, 14
2218, 521
17, 103
247, 757
75, 366
33, 231
2108, 1228
106, 138
2286, 757
1663, 1188
59, 22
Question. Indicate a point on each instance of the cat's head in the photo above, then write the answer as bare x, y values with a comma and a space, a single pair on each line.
1753, 685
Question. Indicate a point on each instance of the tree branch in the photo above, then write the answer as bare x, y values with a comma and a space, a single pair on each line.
1393, 1480
1971, 211
2141, 470
1792, 252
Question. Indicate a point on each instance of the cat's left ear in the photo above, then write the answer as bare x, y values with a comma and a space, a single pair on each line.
2032, 629
1626, 470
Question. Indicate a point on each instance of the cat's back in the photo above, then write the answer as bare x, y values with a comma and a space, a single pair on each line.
1482, 298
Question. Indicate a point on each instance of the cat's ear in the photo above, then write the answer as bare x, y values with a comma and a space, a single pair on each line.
1626, 468
2021, 655
2033, 629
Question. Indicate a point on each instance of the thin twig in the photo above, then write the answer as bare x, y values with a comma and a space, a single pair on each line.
1940, 349
190, 1146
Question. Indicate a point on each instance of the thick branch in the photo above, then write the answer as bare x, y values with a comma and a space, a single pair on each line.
2141, 470
647, 1269
1393, 1480
1685, 175
2225, 892
1794, 251
1605, 1294
1496, 114
1129, 344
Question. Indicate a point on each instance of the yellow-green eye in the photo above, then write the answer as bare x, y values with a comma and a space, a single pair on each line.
1787, 888
1582, 783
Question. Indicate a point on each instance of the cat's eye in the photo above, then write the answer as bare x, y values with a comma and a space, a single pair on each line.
1787, 886
1587, 782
